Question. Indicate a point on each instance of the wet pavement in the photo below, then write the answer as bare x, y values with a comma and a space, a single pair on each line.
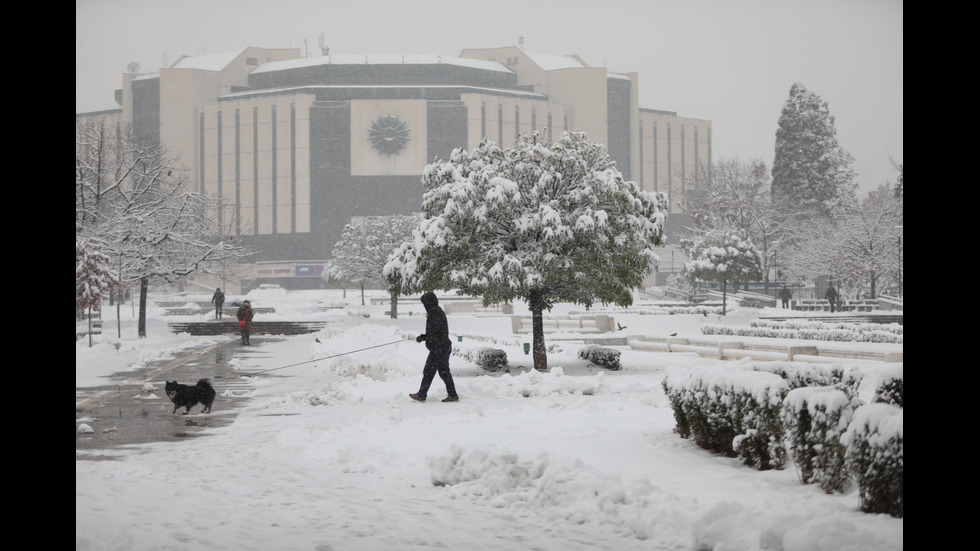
123, 418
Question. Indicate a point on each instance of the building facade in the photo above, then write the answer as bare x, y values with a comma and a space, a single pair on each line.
292, 148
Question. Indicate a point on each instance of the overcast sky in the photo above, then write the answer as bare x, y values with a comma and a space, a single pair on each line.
729, 61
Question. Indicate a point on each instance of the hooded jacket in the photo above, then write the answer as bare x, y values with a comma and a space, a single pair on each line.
245, 313
436, 325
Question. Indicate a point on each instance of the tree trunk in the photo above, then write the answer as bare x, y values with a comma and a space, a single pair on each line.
724, 297
539, 352
90, 327
394, 305
141, 323
362, 294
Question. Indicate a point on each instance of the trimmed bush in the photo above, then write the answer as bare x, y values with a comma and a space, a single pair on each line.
490, 359
875, 456
601, 356
734, 412
842, 377
814, 419
891, 390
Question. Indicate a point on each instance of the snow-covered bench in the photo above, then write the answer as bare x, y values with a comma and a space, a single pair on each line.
734, 350
598, 323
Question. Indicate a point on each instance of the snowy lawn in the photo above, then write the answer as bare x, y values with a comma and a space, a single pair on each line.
331, 454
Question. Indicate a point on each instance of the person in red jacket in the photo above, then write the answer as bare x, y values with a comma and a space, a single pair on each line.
245, 315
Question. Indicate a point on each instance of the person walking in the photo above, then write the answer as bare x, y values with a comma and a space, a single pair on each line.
218, 299
786, 295
436, 339
245, 315
831, 297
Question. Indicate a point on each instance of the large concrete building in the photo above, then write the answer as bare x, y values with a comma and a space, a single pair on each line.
292, 148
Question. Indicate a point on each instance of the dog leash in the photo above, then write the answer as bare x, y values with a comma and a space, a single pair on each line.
328, 357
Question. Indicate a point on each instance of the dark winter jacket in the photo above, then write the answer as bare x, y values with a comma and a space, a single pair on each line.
785, 294
436, 334
831, 295
218, 299
245, 313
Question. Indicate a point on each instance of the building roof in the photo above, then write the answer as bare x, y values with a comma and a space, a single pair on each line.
550, 62
379, 59
462, 88
210, 62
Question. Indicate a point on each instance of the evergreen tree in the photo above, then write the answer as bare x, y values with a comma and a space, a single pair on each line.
541, 222
725, 256
810, 171
94, 278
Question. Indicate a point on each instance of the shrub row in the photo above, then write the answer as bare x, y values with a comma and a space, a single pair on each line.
844, 333
894, 328
601, 356
658, 310
770, 413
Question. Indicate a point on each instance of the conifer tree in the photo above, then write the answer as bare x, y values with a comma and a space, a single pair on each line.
810, 172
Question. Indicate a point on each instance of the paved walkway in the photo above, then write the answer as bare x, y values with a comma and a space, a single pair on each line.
122, 418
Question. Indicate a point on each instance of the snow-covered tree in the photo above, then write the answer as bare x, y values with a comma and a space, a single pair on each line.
738, 196
724, 256
94, 278
359, 257
542, 222
810, 171
861, 247
132, 201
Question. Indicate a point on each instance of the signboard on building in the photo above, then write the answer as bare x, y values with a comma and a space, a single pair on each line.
287, 270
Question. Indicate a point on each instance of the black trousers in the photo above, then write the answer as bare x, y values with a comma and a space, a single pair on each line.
437, 362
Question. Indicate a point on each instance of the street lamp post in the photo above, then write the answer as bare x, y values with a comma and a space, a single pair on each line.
900, 266
899, 228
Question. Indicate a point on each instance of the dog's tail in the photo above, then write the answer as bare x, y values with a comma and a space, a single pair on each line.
205, 383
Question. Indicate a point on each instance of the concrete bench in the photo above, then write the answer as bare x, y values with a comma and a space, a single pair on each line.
735, 350
476, 307
598, 323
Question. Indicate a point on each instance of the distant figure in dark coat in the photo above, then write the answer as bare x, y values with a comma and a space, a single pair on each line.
785, 295
245, 314
440, 347
218, 299
831, 297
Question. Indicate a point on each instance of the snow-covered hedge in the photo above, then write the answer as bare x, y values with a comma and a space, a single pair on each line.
734, 412
846, 378
875, 456
601, 355
658, 310
842, 332
891, 389
814, 419
490, 359
819, 412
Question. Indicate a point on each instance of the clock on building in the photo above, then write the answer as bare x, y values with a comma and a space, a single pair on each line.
388, 134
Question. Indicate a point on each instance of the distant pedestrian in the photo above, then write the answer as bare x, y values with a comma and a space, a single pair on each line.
218, 299
245, 315
440, 347
785, 295
832, 297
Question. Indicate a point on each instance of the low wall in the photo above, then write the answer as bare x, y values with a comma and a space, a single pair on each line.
735, 350
598, 323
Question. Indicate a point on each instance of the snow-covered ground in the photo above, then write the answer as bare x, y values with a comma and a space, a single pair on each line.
331, 454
